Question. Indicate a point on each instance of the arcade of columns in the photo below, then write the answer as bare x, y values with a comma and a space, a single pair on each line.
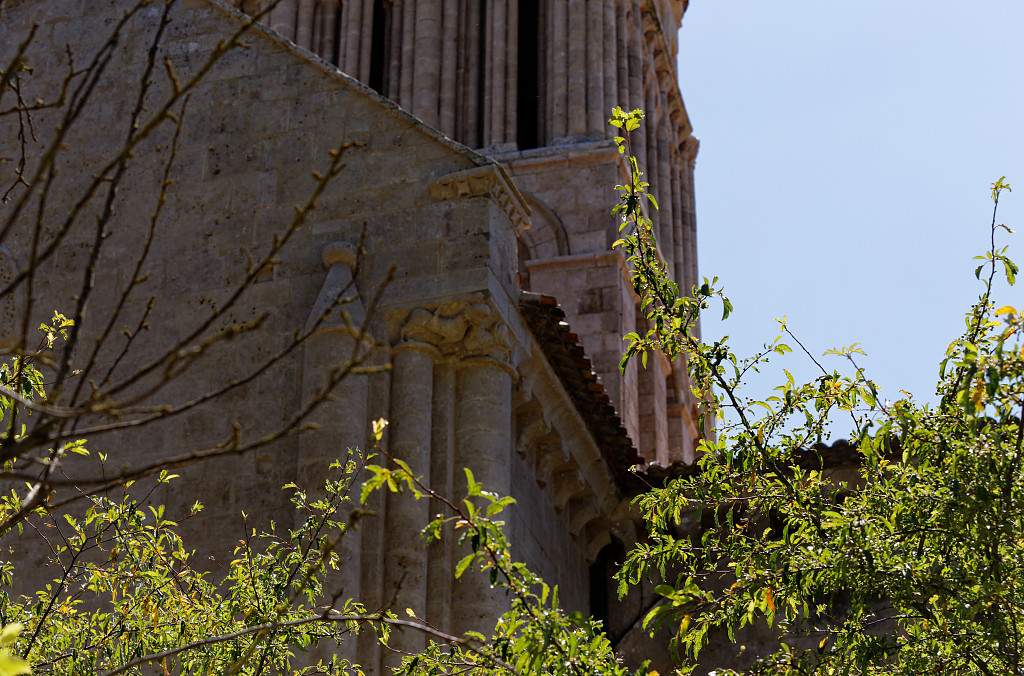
450, 380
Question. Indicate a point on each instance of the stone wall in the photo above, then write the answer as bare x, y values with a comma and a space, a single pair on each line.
449, 222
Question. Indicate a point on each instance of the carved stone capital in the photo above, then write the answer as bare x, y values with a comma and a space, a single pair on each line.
463, 329
486, 181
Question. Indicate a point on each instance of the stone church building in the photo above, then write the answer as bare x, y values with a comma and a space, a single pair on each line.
484, 176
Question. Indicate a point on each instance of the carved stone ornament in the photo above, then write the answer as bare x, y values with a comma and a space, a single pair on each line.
462, 329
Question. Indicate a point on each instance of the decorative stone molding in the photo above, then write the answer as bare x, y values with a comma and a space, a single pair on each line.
664, 67
568, 486
489, 180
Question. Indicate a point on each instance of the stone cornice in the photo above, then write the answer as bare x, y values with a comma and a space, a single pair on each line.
579, 154
665, 68
487, 181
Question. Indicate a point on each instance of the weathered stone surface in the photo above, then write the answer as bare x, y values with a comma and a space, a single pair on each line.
466, 233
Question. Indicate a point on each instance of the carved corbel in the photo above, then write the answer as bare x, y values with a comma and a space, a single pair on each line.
339, 259
552, 463
567, 486
530, 436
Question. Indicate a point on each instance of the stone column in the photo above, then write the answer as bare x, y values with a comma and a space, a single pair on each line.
653, 411
409, 440
460, 408
680, 238
497, 52
472, 134
691, 224
442, 467
408, 53
340, 32
449, 61
611, 68
512, 72
636, 60
622, 52
352, 16
365, 41
395, 74
282, 18
329, 28
483, 428
342, 420
427, 86
558, 85
637, 55
595, 68
577, 72
664, 194
304, 24
650, 133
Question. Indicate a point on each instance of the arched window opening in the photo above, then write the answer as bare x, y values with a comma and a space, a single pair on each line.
602, 590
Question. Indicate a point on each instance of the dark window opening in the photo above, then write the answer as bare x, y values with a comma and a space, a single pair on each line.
528, 78
481, 77
602, 586
336, 28
379, 48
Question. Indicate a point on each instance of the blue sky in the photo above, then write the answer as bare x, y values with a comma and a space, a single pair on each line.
846, 153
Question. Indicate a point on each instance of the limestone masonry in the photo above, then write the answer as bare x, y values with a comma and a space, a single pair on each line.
485, 178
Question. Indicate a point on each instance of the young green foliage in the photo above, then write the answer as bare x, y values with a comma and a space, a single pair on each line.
908, 561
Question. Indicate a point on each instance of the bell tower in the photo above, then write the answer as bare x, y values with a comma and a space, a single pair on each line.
531, 83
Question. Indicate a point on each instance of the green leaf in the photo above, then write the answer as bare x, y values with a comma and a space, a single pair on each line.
11, 665
472, 487
464, 563
9, 634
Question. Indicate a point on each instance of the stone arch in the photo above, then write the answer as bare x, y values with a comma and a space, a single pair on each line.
545, 238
